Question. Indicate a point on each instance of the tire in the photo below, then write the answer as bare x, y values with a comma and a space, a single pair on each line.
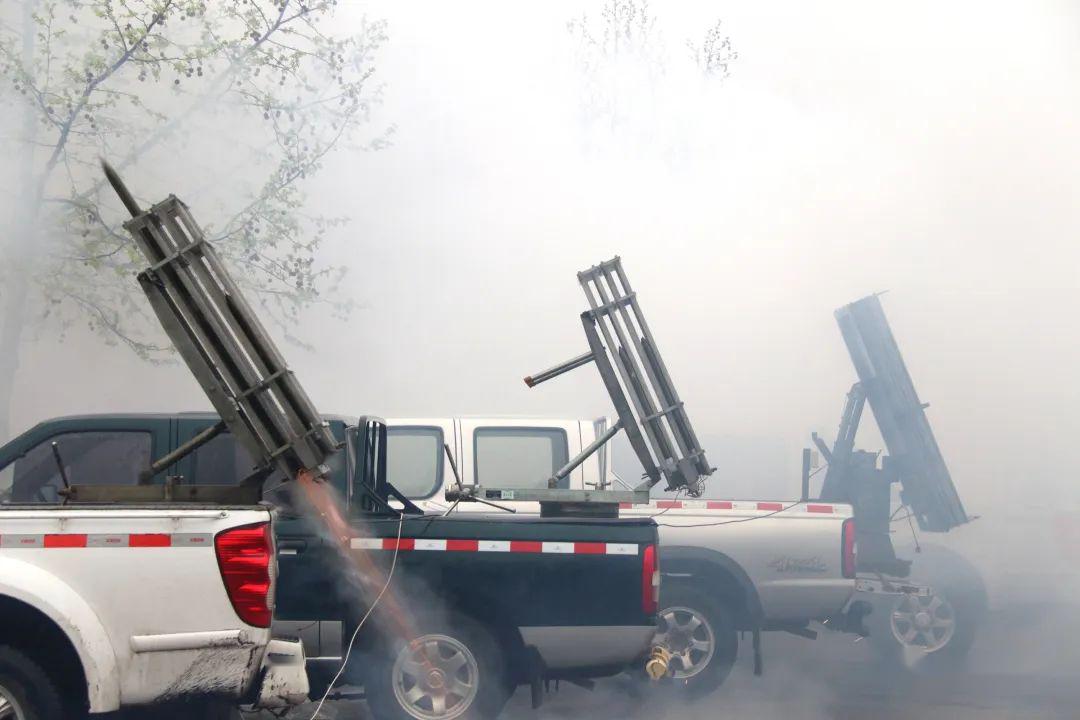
464, 678
26, 691
962, 599
700, 632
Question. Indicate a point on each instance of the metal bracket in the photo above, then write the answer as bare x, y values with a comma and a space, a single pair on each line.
558, 495
882, 585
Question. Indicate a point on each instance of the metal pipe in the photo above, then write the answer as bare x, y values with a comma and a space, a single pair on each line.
545, 375
453, 465
60, 465
121, 189
190, 446
584, 454
805, 474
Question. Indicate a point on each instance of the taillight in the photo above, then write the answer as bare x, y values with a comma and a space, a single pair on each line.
650, 581
847, 548
244, 555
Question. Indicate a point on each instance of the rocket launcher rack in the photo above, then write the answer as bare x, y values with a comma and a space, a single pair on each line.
886, 385
649, 409
231, 356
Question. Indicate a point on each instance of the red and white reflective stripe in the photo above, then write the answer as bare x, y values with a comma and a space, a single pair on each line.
510, 546
737, 505
84, 540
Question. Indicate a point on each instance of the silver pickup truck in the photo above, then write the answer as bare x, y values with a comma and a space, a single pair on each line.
728, 565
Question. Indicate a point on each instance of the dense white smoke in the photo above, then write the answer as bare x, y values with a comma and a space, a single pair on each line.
927, 150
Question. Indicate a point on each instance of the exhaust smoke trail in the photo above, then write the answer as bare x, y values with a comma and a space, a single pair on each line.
326, 507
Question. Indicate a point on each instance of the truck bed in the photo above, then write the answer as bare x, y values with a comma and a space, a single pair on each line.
567, 572
790, 551
572, 587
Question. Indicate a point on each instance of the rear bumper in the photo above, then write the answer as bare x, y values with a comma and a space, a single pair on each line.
567, 648
284, 680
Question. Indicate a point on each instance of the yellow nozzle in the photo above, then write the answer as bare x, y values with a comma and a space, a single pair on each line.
657, 665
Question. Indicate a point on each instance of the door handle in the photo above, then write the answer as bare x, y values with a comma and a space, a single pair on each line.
291, 547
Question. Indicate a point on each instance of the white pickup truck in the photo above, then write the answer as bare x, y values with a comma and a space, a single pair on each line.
109, 606
727, 565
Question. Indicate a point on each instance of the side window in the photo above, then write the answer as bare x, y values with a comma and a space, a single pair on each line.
413, 457
222, 461
519, 457
90, 458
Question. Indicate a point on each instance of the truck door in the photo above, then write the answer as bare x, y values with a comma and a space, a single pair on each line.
518, 453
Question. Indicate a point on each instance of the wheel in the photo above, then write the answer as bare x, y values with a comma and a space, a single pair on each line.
26, 691
924, 622
933, 632
451, 669
699, 632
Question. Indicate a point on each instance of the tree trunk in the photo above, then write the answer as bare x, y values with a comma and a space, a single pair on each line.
21, 254
14, 321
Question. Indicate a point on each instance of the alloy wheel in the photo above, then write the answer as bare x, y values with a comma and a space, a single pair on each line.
926, 622
689, 637
435, 677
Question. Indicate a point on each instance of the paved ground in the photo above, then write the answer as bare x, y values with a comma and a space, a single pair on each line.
1025, 666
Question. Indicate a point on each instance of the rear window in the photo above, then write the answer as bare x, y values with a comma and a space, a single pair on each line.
114, 457
519, 457
413, 460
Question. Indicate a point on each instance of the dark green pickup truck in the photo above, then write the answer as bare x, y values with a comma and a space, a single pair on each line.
500, 600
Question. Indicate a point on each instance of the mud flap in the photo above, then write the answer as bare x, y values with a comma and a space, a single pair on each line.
851, 619
284, 675
759, 665
536, 692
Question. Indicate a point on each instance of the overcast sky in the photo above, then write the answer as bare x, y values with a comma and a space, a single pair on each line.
928, 149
